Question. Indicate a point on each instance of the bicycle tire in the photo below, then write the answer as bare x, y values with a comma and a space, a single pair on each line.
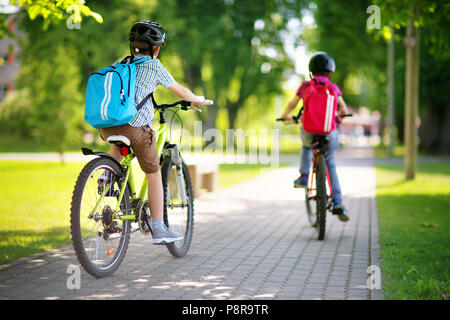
321, 196
82, 192
178, 220
311, 206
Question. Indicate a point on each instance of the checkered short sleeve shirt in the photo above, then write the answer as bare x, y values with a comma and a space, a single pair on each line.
149, 74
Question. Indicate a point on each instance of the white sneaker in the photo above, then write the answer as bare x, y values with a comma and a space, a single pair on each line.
165, 236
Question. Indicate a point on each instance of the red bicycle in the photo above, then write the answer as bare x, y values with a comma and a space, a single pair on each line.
318, 190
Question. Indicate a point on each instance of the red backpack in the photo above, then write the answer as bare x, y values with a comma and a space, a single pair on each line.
320, 108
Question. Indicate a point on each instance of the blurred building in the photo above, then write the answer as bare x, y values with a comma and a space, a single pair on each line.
361, 129
9, 65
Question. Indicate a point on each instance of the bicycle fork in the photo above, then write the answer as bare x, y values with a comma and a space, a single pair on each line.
180, 183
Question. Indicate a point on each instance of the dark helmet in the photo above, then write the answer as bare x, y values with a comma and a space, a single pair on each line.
147, 31
321, 61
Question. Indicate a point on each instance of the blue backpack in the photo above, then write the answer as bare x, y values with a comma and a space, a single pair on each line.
110, 95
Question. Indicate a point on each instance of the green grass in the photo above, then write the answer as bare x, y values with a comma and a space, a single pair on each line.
414, 231
34, 206
35, 202
382, 151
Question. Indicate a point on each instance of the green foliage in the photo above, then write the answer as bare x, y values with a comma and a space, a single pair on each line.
16, 114
54, 11
48, 105
360, 59
432, 16
230, 50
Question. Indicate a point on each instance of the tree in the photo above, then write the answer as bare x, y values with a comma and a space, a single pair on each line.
415, 15
46, 107
55, 64
53, 11
360, 59
229, 50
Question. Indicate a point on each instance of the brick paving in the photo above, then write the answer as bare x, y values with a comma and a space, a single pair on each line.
251, 241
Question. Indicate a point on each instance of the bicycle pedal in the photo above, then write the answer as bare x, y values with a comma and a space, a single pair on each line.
163, 243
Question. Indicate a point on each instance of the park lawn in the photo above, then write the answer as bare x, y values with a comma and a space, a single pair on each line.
230, 174
35, 202
414, 231
34, 206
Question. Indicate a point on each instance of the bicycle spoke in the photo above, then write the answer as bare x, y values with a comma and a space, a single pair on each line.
97, 230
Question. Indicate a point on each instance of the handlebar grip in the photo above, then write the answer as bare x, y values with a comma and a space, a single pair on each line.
294, 117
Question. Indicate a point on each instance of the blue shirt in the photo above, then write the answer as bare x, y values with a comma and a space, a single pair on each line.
149, 74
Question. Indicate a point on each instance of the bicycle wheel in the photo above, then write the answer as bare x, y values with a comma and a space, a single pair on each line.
178, 205
99, 237
311, 204
321, 196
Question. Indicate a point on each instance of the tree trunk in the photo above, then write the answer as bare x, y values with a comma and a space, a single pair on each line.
390, 91
211, 118
232, 110
411, 99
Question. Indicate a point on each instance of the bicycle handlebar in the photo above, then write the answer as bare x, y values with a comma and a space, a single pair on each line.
296, 117
185, 105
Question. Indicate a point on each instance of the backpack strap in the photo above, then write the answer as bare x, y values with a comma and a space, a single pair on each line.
317, 82
144, 101
303, 101
133, 60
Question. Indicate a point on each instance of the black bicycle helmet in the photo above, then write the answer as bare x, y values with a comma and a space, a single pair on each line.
149, 32
320, 62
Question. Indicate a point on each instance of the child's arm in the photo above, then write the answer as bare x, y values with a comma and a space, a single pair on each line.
291, 106
342, 107
186, 94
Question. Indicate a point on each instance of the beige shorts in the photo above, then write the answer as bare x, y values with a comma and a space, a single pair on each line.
143, 142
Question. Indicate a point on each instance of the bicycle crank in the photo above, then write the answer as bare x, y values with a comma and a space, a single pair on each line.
144, 219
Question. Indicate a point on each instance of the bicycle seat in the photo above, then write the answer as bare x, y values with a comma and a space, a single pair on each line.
321, 142
119, 140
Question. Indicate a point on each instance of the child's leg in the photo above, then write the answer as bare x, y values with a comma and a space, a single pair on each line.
305, 160
331, 165
155, 195
306, 152
161, 234
115, 152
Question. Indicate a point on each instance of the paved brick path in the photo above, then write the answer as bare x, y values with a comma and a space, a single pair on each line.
251, 241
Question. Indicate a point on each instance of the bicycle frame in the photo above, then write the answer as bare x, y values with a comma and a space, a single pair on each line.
311, 180
161, 139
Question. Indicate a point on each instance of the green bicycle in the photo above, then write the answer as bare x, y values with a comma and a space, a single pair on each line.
106, 207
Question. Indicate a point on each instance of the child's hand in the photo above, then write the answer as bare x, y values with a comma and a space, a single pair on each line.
287, 117
198, 101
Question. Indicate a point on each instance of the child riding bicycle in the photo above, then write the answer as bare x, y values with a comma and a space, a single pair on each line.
322, 66
146, 39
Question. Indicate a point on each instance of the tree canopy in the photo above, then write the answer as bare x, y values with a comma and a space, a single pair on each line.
231, 51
